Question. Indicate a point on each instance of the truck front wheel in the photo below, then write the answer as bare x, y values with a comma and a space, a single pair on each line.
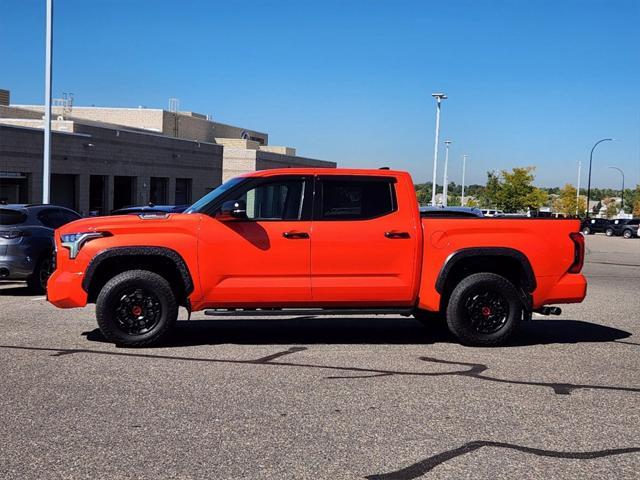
136, 308
484, 310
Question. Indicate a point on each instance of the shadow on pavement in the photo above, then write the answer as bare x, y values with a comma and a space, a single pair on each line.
376, 331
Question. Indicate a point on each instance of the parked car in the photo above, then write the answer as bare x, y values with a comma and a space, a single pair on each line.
150, 208
26, 241
316, 242
492, 213
628, 228
450, 212
590, 226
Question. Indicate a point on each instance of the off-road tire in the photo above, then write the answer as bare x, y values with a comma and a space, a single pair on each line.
109, 306
471, 289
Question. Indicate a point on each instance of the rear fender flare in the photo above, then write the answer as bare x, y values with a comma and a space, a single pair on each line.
529, 280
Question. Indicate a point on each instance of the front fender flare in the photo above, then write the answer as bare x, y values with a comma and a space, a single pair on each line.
168, 253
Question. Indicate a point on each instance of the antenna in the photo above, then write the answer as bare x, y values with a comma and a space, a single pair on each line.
174, 104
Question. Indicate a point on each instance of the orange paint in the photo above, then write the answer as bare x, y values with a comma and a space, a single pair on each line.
383, 261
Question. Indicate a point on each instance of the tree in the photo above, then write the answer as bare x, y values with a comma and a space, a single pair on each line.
567, 203
517, 192
635, 201
612, 209
489, 196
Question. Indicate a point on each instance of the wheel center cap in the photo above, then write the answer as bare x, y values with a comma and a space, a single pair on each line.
486, 311
136, 310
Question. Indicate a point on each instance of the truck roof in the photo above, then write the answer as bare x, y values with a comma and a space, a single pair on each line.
325, 171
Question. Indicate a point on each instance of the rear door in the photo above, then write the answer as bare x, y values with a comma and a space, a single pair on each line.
363, 248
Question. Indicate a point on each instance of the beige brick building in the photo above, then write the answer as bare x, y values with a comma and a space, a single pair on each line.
105, 157
246, 150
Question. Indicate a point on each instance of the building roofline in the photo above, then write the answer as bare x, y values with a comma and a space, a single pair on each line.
36, 129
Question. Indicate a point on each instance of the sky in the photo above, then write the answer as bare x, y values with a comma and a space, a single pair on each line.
529, 82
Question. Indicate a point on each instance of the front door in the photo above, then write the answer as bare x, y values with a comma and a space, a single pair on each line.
262, 259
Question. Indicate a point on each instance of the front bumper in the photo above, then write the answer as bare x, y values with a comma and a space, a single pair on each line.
64, 289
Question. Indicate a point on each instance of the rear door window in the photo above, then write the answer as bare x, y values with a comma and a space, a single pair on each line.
356, 198
55, 217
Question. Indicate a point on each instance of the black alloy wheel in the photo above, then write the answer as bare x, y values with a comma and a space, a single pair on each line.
138, 311
487, 312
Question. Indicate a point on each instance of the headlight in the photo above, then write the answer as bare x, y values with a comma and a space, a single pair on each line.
75, 241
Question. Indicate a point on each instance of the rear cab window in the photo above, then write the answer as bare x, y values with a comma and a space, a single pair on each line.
355, 198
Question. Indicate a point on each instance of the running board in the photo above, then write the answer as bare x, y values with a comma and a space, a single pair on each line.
314, 312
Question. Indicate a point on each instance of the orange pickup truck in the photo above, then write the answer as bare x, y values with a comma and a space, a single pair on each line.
316, 242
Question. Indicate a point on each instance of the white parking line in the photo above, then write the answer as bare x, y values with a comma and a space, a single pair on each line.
38, 298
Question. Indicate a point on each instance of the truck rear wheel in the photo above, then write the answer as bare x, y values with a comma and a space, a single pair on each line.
484, 310
136, 308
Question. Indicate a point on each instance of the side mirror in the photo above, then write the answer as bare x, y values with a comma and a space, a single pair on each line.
232, 210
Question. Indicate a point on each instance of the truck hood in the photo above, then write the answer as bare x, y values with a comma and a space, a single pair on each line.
128, 223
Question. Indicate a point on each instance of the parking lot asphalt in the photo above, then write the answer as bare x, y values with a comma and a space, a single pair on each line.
377, 398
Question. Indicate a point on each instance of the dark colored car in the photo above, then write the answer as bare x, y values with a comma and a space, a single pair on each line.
450, 212
151, 208
26, 241
628, 228
594, 225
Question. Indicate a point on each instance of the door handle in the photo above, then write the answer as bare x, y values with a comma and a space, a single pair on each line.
394, 234
292, 235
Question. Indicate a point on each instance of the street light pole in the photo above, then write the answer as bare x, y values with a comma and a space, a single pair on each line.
578, 189
464, 166
46, 160
622, 195
590, 162
439, 97
445, 180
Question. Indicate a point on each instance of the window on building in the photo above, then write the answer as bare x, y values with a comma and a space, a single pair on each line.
124, 189
183, 191
63, 190
158, 190
276, 200
97, 194
356, 199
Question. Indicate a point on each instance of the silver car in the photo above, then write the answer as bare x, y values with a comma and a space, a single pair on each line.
26, 241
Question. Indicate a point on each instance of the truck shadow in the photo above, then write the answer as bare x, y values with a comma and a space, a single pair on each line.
376, 331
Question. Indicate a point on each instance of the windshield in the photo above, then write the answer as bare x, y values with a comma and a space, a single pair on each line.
202, 204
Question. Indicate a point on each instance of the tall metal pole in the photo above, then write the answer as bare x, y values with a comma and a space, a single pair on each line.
46, 161
464, 166
622, 195
590, 162
445, 180
439, 97
578, 189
